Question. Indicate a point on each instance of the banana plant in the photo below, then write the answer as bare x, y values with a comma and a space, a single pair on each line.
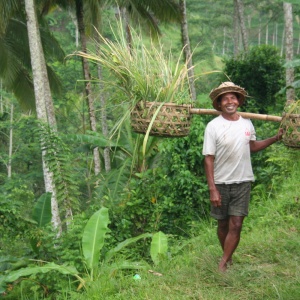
42, 216
93, 240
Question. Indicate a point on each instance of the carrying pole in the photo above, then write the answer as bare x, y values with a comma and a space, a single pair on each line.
202, 111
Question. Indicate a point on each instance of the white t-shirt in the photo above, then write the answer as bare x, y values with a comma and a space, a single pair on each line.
229, 141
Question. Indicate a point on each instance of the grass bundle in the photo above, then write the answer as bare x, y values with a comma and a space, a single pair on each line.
143, 72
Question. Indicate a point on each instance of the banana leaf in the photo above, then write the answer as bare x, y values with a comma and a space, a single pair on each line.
93, 238
159, 247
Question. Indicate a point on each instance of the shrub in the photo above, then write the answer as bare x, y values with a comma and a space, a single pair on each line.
260, 71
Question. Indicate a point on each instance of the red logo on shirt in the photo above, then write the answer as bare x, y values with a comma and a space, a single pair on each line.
247, 132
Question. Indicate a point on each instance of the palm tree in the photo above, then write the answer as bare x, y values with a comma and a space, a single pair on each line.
149, 14
15, 65
42, 98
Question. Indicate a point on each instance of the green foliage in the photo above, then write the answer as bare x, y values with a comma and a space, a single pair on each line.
16, 201
159, 247
260, 71
15, 65
57, 158
42, 216
93, 238
269, 164
172, 195
296, 84
42, 210
92, 242
143, 73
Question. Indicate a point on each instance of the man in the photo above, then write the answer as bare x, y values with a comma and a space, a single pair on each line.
229, 140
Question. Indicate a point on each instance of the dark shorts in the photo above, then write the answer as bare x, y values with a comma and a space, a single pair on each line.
235, 200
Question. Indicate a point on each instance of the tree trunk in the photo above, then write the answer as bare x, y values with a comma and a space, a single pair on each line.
10, 141
1, 98
104, 125
259, 31
42, 96
289, 53
282, 42
187, 49
240, 8
74, 20
224, 41
298, 47
87, 78
236, 30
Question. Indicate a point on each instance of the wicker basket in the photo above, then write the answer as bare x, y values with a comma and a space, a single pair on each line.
291, 125
168, 119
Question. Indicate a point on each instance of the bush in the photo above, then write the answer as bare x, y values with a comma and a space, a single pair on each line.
260, 71
170, 197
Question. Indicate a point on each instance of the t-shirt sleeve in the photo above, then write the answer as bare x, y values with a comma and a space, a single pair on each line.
253, 133
209, 144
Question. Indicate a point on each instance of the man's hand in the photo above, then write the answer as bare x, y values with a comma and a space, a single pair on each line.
215, 198
280, 134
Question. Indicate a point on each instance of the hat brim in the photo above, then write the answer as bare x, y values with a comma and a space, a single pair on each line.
216, 93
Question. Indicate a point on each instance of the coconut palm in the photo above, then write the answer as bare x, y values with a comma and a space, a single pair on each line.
149, 14
42, 92
15, 65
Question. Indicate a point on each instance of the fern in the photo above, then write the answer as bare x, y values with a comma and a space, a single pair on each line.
58, 159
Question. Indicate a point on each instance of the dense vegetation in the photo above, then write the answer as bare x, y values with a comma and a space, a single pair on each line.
152, 194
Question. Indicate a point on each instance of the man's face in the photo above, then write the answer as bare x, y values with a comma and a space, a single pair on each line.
229, 103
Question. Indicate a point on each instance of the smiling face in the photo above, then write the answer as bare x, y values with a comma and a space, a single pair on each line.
229, 103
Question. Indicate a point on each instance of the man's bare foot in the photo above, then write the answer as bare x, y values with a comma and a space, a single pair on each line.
222, 265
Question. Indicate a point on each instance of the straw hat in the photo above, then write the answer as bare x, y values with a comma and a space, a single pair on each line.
227, 87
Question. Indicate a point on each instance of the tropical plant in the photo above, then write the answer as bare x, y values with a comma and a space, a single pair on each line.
93, 240
15, 66
143, 72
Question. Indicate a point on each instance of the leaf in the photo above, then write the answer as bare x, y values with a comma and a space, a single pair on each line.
92, 140
124, 244
150, 126
14, 275
159, 247
93, 237
292, 64
42, 210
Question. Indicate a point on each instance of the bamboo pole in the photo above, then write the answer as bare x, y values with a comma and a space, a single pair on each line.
247, 115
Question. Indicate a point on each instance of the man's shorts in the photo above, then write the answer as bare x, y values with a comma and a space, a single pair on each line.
235, 200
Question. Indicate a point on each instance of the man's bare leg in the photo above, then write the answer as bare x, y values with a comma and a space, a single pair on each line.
223, 227
229, 231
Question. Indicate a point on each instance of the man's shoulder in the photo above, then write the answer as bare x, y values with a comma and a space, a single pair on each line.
215, 120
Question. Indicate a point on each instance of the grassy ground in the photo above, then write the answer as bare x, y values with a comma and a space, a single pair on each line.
266, 263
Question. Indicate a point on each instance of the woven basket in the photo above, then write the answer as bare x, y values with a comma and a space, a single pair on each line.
169, 120
291, 125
